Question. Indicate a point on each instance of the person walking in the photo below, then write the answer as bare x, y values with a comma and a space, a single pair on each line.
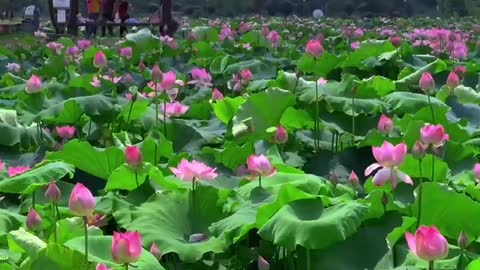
93, 10
123, 15
108, 12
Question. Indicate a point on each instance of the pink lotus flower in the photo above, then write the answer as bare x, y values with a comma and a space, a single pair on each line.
226, 34
274, 38
460, 51
260, 166
396, 41
96, 82
174, 109
453, 80
216, 94
34, 221
97, 220
385, 125
246, 75
126, 247
53, 193
114, 79
433, 135
321, 82
133, 156
188, 171
40, 34
358, 33
281, 135
169, 80
17, 170
155, 251
353, 179
13, 67
81, 202
426, 82
100, 60
169, 41
355, 45
101, 266
126, 52
55, 47
428, 244
34, 85
201, 77
66, 132
244, 27
72, 51
314, 48
84, 44
262, 264
389, 157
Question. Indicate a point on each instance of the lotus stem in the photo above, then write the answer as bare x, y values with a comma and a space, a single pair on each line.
353, 120
55, 238
433, 168
33, 200
126, 266
430, 265
85, 221
316, 118
156, 124
420, 189
136, 178
260, 181
309, 266
130, 112
431, 109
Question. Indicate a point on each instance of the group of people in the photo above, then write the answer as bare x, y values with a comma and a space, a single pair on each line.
103, 12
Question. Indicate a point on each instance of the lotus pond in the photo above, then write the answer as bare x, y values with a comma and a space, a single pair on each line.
263, 143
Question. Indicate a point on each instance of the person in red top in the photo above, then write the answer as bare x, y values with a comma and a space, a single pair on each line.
123, 15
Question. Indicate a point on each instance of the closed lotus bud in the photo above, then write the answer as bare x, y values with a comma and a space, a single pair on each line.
353, 179
419, 150
126, 247
126, 52
427, 83
141, 67
396, 41
34, 85
34, 221
428, 244
314, 48
333, 178
81, 202
463, 240
100, 60
157, 75
53, 193
216, 94
385, 125
133, 156
453, 80
101, 266
281, 135
156, 251
262, 264
476, 171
